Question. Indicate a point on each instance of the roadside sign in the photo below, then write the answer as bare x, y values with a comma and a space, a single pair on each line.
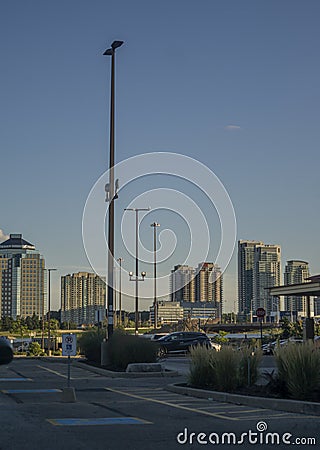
260, 313
69, 345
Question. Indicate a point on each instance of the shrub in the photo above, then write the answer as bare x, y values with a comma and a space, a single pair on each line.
201, 372
124, 349
35, 349
299, 370
90, 344
248, 366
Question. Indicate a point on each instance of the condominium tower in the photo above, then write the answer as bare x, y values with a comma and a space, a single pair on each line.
246, 251
296, 272
259, 267
22, 279
266, 274
209, 285
203, 284
82, 294
182, 283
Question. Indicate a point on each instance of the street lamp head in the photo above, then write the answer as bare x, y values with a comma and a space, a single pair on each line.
155, 224
116, 44
130, 274
143, 274
108, 52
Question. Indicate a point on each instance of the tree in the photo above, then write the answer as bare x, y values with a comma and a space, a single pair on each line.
34, 349
221, 338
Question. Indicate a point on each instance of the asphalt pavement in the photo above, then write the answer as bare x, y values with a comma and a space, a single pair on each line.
139, 414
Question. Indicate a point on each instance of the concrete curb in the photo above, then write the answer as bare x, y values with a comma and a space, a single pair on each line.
111, 374
294, 406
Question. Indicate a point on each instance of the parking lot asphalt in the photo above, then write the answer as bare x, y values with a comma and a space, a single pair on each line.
119, 413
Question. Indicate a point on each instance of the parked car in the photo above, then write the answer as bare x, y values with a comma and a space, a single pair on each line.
268, 349
6, 352
181, 342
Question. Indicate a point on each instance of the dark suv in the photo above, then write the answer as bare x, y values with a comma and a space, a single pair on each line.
181, 341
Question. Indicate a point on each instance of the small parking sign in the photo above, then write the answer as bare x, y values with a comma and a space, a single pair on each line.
69, 345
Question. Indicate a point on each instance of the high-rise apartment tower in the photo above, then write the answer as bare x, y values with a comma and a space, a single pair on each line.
82, 294
22, 279
296, 272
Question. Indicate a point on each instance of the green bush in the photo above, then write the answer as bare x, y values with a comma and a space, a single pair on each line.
90, 344
57, 352
201, 372
35, 349
124, 349
248, 366
299, 370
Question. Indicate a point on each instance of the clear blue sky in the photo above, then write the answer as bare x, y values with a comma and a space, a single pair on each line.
234, 84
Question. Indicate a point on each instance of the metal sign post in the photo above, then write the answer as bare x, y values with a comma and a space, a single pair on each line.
260, 313
69, 348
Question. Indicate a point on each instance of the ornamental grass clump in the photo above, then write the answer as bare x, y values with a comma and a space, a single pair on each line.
225, 365
299, 370
215, 370
201, 372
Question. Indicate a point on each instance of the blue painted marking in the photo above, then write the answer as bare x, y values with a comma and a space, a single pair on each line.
99, 421
29, 391
15, 379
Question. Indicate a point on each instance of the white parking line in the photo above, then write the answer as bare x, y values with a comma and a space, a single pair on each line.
53, 371
173, 405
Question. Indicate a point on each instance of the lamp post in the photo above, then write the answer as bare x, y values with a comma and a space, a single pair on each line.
49, 307
111, 191
120, 294
42, 322
155, 305
143, 274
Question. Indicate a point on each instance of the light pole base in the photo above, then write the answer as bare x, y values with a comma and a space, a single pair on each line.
69, 395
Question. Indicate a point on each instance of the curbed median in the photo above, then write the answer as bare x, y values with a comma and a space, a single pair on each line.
294, 406
135, 372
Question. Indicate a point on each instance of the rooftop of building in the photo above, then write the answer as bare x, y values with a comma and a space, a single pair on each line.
16, 241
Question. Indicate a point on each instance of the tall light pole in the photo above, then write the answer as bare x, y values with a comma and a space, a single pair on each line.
49, 308
155, 305
120, 294
110, 189
136, 278
42, 322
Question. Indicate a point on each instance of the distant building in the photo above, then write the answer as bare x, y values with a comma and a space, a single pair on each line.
245, 275
22, 279
317, 306
266, 273
296, 272
168, 312
82, 295
182, 284
209, 285
204, 311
